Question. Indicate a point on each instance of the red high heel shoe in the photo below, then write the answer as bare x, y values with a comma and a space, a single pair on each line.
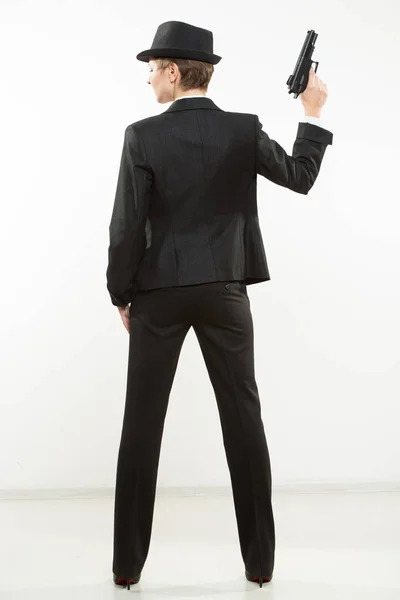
256, 578
126, 582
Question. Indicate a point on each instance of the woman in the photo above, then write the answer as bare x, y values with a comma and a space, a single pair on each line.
184, 244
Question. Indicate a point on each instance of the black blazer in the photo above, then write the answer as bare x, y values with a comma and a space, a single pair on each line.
185, 208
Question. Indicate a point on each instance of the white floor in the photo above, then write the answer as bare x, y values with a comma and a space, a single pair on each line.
333, 546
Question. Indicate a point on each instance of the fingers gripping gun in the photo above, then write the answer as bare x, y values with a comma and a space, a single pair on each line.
298, 81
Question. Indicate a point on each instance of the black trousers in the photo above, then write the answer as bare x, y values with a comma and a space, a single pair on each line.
220, 315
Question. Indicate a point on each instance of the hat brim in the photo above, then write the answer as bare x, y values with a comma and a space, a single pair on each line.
144, 56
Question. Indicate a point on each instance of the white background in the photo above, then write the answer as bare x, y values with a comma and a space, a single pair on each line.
326, 324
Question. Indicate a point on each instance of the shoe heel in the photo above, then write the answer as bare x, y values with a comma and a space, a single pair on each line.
261, 580
126, 582
256, 578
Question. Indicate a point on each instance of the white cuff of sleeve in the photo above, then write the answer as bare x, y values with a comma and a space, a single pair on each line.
315, 121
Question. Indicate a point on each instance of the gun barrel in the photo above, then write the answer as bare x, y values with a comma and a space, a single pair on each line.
306, 50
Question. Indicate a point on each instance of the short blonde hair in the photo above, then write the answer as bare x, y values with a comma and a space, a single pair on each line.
194, 73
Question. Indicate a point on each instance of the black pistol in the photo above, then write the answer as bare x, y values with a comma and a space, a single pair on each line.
298, 81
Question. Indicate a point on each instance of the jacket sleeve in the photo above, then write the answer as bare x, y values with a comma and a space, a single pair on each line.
128, 219
299, 171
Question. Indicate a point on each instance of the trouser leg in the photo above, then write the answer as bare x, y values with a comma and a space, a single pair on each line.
156, 338
225, 334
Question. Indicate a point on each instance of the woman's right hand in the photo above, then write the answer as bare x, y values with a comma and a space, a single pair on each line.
315, 94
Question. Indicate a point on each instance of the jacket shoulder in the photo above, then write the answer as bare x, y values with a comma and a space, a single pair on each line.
241, 114
142, 124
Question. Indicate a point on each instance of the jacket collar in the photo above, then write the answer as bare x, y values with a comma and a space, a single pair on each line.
192, 103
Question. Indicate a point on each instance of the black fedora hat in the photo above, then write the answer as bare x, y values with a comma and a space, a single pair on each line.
176, 39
